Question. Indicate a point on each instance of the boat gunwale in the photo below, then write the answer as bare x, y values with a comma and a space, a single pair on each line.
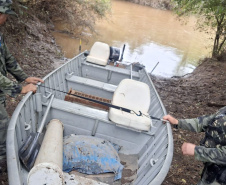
14, 175
165, 168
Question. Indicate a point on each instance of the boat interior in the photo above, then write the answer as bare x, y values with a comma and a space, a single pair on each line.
144, 142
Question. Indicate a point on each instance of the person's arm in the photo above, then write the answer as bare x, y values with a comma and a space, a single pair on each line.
213, 155
12, 89
33, 80
11, 64
201, 153
196, 124
9, 87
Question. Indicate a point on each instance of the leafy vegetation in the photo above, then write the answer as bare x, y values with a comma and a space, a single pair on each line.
211, 14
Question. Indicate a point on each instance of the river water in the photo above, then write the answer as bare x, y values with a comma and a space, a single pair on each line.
151, 36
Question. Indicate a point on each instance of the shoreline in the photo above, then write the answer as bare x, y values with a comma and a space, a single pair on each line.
158, 4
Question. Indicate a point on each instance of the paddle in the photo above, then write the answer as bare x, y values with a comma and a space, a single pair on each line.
29, 150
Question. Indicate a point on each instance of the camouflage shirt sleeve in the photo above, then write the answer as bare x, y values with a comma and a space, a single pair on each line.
196, 124
213, 155
12, 66
9, 64
9, 87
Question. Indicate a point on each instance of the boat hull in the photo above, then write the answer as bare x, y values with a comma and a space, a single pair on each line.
154, 149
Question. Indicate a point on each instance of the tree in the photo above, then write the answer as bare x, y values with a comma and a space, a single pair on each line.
211, 14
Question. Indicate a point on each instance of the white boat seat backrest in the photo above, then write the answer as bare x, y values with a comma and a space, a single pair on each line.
133, 95
99, 54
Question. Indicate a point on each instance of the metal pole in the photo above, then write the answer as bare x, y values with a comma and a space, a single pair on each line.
80, 46
154, 67
122, 53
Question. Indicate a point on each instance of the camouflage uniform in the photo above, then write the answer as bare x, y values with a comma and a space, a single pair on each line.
7, 64
5, 7
212, 149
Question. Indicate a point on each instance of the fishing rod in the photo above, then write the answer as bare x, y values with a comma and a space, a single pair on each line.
106, 104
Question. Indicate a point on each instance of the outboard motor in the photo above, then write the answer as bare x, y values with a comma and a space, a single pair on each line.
114, 54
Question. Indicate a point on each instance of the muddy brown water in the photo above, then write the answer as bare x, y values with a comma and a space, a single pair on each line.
150, 35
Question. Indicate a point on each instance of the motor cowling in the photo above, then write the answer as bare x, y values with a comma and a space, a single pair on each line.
114, 53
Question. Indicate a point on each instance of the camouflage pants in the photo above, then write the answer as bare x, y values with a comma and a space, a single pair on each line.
4, 120
202, 181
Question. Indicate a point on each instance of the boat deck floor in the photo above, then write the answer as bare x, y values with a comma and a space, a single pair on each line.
129, 173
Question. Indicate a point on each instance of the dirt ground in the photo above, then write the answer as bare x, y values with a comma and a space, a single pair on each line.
199, 93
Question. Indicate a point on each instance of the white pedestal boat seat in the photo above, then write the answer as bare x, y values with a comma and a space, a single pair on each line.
135, 96
99, 54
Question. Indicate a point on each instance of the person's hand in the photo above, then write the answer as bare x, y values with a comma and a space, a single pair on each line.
28, 88
171, 119
188, 149
33, 80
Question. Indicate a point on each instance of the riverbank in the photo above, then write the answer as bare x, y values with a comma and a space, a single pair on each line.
34, 49
32, 44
